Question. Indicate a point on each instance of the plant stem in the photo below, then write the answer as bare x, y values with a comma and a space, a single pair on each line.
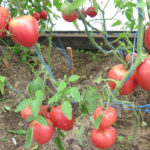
19, 7
50, 45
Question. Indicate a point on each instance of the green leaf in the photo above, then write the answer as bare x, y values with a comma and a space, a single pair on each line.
29, 137
80, 134
130, 137
58, 141
91, 98
98, 121
41, 120
120, 138
18, 132
77, 4
62, 86
8, 108
39, 95
74, 91
67, 109
23, 59
23, 104
2, 84
35, 107
35, 147
116, 23
73, 78
55, 98
30, 118
144, 124
4, 139
95, 5
141, 5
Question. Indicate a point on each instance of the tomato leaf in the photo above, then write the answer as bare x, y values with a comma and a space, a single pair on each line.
2, 84
35, 107
29, 137
23, 104
80, 134
95, 5
39, 95
18, 132
62, 86
41, 120
67, 109
55, 98
58, 141
116, 23
30, 118
98, 121
73, 78
74, 91
77, 4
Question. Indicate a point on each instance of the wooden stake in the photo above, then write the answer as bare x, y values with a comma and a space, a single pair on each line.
69, 52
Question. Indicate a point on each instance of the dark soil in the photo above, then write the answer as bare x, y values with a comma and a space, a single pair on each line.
19, 75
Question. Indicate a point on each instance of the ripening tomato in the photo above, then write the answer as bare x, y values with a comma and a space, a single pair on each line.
147, 38
26, 112
71, 17
46, 111
117, 73
103, 139
5, 18
24, 30
83, 13
129, 57
60, 120
43, 14
91, 12
42, 134
36, 16
108, 119
142, 74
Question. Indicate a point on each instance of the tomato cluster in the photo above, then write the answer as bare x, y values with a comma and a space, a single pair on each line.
42, 15
105, 136
24, 30
54, 117
72, 16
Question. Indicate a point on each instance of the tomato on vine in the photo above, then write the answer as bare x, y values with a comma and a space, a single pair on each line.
108, 117
36, 16
103, 139
91, 11
42, 134
24, 30
117, 72
71, 17
43, 14
5, 18
60, 120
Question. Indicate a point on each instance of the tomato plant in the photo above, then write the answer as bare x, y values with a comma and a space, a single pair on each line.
84, 13
60, 120
103, 139
117, 73
24, 30
42, 134
5, 17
